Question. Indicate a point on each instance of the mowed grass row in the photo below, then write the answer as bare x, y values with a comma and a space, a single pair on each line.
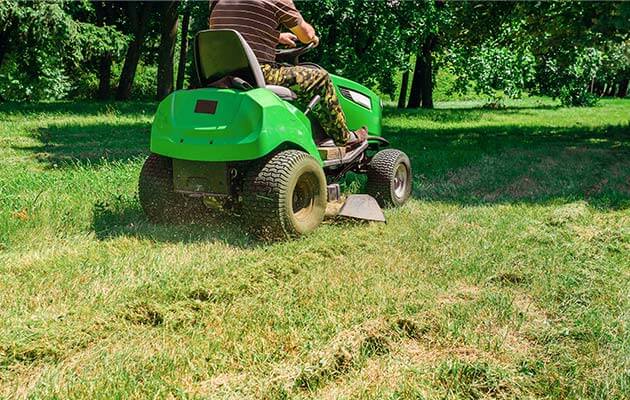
506, 276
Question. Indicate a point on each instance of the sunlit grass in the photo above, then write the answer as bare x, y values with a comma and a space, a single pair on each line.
506, 276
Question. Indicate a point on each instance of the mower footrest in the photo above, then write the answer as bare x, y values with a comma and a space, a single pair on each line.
348, 156
331, 153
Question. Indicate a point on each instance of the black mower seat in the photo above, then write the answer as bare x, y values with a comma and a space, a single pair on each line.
224, 52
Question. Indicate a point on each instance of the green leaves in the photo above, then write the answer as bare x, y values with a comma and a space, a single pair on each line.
492, 67
558, 49
569, 50
47, 41
368, 41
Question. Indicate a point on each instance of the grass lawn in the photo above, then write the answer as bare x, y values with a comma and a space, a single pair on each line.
507, 275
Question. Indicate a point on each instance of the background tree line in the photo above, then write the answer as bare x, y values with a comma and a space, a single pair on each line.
574, 51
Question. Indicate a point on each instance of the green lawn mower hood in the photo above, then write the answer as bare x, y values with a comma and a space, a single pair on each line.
228, 125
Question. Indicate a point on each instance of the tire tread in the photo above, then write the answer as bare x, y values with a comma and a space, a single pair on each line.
381, 173
264, 194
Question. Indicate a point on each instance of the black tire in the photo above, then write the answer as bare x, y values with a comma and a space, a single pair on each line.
285, 196
385, 178
157, 197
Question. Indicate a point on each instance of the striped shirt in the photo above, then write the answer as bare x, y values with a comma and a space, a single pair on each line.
259, 21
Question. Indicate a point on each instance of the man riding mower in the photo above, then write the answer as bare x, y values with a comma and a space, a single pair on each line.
242, 145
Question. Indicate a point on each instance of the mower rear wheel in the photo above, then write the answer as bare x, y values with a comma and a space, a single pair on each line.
285, 196
389, 178
157, 197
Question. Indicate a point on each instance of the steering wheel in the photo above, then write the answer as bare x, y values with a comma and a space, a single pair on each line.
292, 55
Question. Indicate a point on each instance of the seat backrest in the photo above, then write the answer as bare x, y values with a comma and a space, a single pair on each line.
224, 52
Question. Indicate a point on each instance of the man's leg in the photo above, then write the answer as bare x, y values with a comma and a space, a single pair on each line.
309, 82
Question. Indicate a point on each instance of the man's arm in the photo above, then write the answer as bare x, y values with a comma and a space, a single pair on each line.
305, 33
291, 18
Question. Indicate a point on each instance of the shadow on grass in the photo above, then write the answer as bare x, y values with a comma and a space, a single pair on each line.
514, 164
82, 108
461, 114
123, 216
511, 163
67, 144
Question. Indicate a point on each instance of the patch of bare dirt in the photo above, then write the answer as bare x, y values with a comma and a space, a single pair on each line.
464, 176
523, 187
596, 188
547, 163
532, 312
576, 150
459, 293
376, 373
224, 386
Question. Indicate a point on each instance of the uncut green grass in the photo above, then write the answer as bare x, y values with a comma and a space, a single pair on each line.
506, 276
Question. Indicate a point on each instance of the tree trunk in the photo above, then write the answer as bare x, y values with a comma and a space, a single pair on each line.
623, 88
422, 84
4, 44
415, 95
168, 36
103, 17
104, 76
427, 83
183, 49
128, 72
5, 36
403, 90
138, 15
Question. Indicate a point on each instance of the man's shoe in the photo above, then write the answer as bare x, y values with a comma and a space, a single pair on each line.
358, 136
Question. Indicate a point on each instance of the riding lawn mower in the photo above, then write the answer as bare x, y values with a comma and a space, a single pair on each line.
239, 145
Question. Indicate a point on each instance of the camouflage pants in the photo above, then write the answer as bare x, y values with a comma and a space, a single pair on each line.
308, 82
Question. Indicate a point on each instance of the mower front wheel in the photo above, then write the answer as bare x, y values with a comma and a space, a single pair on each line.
157, 197
285, 195
389, 178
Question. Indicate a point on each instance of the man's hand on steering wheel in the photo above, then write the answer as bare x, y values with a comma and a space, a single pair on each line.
288, 39
291, 53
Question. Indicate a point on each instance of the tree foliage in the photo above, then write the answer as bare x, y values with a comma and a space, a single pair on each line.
361, 39
44, 43
574, 51
550, 48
